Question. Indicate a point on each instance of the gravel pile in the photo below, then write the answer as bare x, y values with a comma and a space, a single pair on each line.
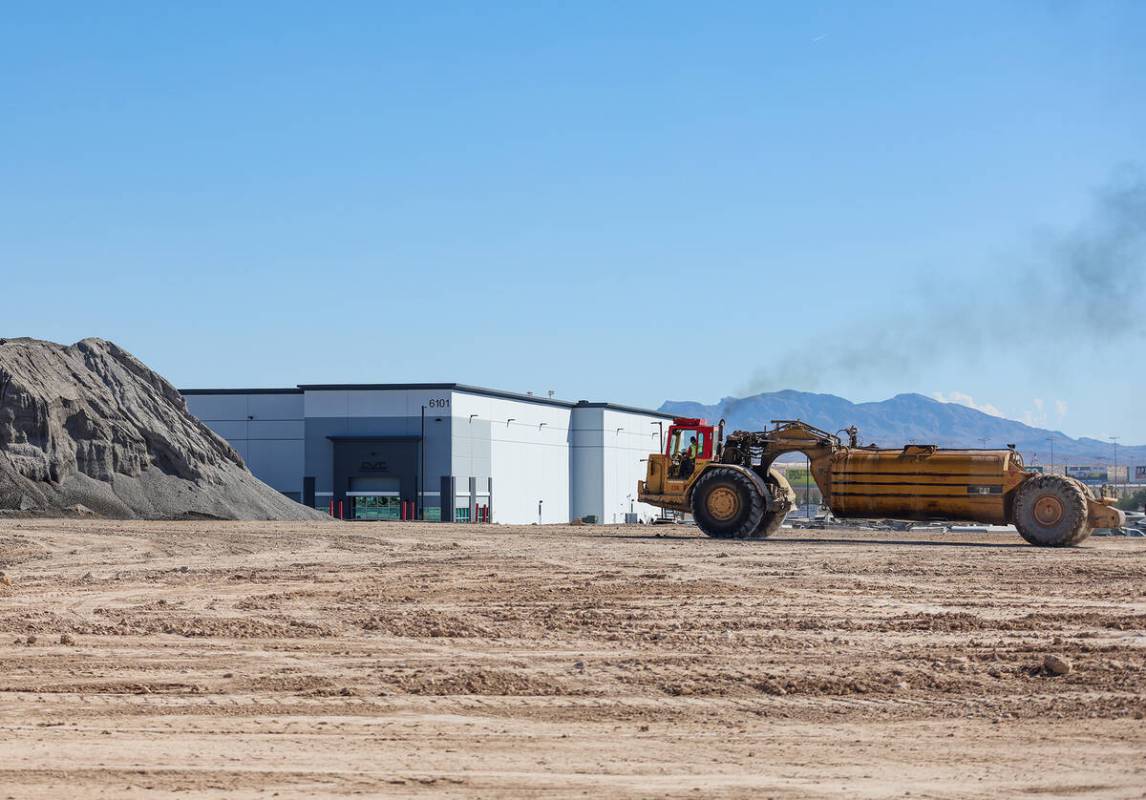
88, 428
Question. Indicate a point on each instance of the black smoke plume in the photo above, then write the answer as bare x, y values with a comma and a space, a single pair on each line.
1082, 289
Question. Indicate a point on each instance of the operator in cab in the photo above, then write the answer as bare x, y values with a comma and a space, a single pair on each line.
688, 458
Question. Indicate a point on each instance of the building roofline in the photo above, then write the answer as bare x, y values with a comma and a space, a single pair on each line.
350, 437
648, 412
239, 391
457, 387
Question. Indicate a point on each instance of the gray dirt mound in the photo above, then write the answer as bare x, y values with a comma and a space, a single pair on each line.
91, 425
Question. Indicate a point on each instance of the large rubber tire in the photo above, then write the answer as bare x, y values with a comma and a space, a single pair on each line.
727, 504
783, 499
1050, 511
1086, 530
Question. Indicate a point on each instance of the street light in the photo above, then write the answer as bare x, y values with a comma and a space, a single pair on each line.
1051, 440
1115, 440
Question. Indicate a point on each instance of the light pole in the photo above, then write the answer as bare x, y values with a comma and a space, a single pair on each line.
1115, 440
422, 471
1051, 440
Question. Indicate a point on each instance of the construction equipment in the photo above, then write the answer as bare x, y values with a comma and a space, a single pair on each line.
732, 490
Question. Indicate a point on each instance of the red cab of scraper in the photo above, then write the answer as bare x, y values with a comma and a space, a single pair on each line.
682, 429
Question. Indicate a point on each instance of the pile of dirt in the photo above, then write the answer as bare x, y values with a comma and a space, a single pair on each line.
88, 428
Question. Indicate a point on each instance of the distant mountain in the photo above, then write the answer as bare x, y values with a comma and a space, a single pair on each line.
907, 418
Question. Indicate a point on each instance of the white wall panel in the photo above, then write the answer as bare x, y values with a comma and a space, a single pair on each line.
529, 454
275, 406
326, 403
376, 403
276, 429
526, 472
208, 407
232, 431
628, 438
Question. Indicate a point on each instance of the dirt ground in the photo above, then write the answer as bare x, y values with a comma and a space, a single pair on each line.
204, 659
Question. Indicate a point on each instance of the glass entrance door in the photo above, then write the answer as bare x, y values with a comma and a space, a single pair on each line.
377, 506
373, 497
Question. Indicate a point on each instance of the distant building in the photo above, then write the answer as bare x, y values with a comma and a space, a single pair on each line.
1091, 474
1087, 473
439, 450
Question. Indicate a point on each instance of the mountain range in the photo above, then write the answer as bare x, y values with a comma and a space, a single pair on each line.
908, 418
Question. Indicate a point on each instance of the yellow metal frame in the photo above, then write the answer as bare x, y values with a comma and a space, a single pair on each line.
661, 489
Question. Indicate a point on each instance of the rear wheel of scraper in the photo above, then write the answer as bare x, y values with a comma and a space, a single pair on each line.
727, 504
1085, 531
1050, 511
783, 501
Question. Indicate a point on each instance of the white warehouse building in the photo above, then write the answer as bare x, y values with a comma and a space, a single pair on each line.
439, 451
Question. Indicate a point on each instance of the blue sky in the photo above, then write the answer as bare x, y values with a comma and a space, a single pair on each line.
632, 202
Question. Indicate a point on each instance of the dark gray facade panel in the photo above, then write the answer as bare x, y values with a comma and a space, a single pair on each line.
320, 448
276, 462
373, 458
447, 497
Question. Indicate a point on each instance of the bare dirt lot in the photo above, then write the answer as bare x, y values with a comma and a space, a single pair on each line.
203, 659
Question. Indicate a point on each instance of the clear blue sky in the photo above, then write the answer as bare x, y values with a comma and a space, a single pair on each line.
620, 201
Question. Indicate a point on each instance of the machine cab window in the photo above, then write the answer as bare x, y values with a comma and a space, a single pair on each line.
688, 441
